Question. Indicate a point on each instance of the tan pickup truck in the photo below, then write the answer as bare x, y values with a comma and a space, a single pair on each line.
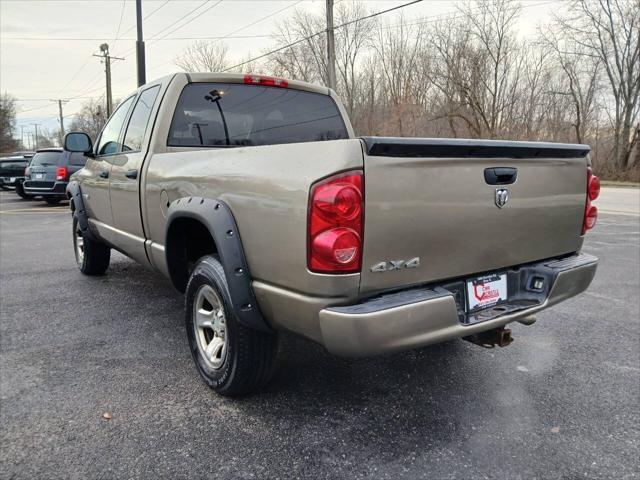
253, 195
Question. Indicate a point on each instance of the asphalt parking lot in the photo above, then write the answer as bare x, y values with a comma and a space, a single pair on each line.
563, 401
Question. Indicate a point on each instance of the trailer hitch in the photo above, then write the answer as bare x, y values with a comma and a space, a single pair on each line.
489, 339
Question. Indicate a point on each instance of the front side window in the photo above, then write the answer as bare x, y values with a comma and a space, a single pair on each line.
230, 114
111, 132
45, 159
139, 120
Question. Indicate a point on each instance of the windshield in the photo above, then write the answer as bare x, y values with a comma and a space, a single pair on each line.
45, 159
231, 114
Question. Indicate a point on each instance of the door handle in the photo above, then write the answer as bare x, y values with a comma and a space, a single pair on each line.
500, 175
132, 174
104, 174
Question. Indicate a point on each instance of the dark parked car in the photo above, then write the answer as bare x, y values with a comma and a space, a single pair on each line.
12, 171
49, 171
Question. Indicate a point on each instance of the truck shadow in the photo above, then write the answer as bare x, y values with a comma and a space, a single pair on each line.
436, 391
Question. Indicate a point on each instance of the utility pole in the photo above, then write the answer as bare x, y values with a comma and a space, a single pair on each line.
106, 58
331, 47
36, 125
22, 137
60, 103
140, 46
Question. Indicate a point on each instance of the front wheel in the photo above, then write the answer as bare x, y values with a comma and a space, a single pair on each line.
92, 256
232, 359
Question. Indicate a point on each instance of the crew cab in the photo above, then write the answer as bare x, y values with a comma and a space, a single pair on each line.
254, 197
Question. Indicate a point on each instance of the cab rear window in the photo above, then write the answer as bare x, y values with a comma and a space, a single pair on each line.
77, 159
229, 114
45, 159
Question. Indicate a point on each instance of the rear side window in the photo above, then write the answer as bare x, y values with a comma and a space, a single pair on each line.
231, 114
139, 120
45, 159
77, 159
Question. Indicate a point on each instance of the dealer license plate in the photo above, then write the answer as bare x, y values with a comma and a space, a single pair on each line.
39, 176
486, 291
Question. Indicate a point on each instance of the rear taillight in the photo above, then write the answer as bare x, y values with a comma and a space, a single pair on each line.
266, 81
61, 173
336, 221
590, 211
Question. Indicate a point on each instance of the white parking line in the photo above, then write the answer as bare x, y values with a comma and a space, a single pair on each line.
36, 210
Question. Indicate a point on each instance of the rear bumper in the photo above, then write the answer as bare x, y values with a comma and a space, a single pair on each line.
45, 189
10, 181
418, 317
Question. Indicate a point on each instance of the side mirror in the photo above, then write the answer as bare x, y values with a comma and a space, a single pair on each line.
78, 142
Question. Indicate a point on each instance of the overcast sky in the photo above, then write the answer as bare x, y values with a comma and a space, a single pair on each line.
46, 46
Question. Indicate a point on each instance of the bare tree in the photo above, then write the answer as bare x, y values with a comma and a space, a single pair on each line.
609, 31
581, 72
398, 53
90, 119
306, 58
494, 62
7, 123
203, 56
351, 41
470, 74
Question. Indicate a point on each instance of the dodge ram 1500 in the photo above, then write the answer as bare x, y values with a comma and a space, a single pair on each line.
254, 197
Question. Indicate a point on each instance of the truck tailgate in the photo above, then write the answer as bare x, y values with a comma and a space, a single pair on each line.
429, 199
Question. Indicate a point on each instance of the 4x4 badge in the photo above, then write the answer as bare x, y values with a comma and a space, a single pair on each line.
502, 197
396, 265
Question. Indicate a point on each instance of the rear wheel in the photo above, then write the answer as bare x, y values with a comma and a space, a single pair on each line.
20, 191
92, 256
231, 358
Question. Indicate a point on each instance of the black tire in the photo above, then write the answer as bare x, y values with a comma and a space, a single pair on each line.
52, 201
20, 191
95, 257
250, 354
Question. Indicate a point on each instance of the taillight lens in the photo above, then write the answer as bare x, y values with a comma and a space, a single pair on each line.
590, 211
336, 224
265, 81
61, 173
593, 186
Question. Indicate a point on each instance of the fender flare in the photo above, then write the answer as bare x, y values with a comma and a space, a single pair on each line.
75, 195
217, 217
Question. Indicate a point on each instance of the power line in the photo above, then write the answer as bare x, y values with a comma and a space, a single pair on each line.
186, 23
73, 77
149, 15
41, 99
228, 35
115, 40
180, 19
220, 37
260, 20
366, 17
99, 39
169, 26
